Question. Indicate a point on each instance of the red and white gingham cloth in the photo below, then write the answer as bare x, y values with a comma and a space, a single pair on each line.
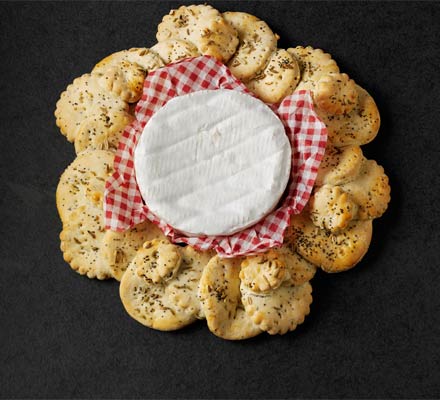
123, 203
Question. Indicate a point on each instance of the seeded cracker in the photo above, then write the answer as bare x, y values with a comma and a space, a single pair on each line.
299, 269
358, 127
257, 43
278, 80
219, 293
340, 165
83, 182
335, 93
280, 310
264, 272
83, 98
159, 288
202, 26
173, 50
118, 249
332, 208
371, 190
330, 251
81, 238
314, 64
124, 72
101, 131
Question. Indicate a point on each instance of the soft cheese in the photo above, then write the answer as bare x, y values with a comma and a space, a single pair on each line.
212, 162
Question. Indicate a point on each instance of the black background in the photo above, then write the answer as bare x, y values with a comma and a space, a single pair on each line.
373, 331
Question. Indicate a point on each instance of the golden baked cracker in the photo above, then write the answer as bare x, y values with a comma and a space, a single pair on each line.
314, 64
332, 208
219, 292
83, 182
339, 165
332, 252
119, 248
101, 131
257, 43
81, 238
173, 50
335, 93
204, 27
280, 310
358, 127
146, 59
264, 272
370, 190
84, 97
159, 287
299, 270
125, 80
278, 79
123, 72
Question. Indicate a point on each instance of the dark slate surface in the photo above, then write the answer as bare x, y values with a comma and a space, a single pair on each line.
373, 332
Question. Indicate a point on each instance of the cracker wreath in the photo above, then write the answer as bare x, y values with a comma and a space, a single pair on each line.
171, 271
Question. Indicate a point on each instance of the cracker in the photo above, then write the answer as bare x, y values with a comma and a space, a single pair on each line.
314, 64
219, 292
124, 72
257, 43
370, 190
83, 182
339, 165
332, 208
119, 248
202, 26
173, 50
84, 97
358, 127
101, 131
81, 238
126, 81
264, 272
278, 80
146, 59
159, 287
299, 270
278, 311
335, 93
332, 252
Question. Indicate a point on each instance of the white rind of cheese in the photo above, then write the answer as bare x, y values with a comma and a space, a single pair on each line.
212, 162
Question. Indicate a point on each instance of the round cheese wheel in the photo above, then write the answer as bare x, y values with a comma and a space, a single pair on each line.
213, 162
